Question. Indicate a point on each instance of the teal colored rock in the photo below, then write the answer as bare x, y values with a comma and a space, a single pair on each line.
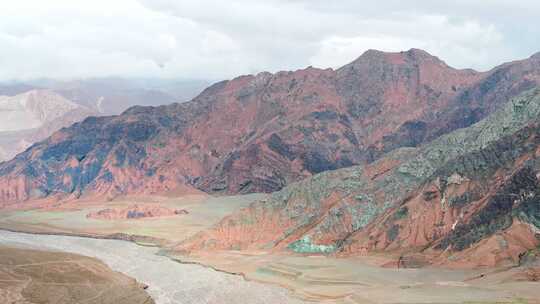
305, 245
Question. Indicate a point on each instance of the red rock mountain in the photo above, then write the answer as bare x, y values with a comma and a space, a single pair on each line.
260, 133
468, 198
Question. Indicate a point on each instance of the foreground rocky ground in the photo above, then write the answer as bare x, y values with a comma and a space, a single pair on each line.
35, 276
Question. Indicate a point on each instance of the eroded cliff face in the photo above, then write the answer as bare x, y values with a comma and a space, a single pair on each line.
473, 191
260, 133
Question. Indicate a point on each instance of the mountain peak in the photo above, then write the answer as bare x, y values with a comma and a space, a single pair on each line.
536, 56
419, 53
411, 56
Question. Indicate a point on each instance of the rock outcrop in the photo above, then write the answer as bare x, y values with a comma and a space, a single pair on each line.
258, 133
136, 211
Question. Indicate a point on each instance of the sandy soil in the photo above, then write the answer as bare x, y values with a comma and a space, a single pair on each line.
362, 280
35, 276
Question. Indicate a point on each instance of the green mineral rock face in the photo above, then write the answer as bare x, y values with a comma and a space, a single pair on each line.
478, 149
364, 212
304, 245
512, 117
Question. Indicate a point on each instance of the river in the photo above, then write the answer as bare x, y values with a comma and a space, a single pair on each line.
169, 281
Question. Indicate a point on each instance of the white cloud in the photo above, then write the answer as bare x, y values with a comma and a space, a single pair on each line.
466, 44
215, 39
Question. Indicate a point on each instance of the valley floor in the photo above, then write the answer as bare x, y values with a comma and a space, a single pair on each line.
362, 280
311, 278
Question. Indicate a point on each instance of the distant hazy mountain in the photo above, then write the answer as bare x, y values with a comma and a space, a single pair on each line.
115, 95
14, 88
32, 109
32, 116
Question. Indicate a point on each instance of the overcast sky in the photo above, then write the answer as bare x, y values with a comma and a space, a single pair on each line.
210, 39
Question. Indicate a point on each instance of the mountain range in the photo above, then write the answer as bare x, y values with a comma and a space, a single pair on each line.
392, 152
112, 95
258, 133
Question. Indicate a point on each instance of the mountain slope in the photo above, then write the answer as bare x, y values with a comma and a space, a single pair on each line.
468, 198
260, 133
